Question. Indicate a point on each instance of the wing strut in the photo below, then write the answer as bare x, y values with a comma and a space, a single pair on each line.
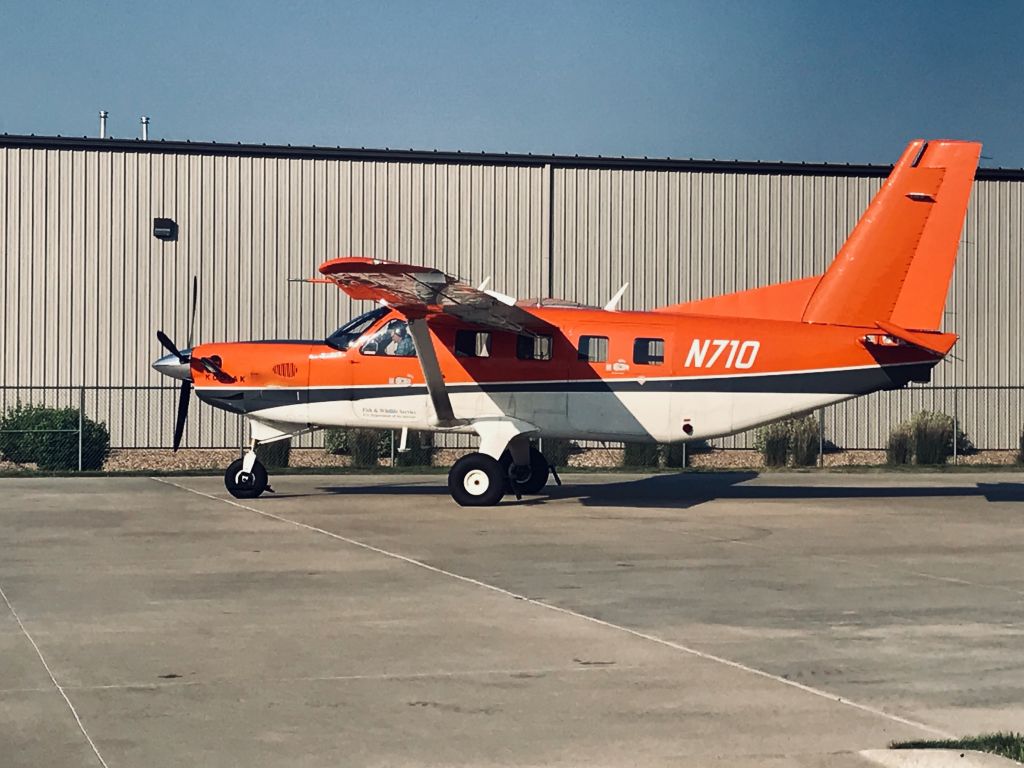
432, 373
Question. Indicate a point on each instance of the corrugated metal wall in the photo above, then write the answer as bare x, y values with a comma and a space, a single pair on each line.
85, 284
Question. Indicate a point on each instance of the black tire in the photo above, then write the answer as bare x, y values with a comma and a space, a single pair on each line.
245, 487
477, 480
536, 474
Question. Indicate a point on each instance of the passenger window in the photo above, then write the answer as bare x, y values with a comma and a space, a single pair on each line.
649, 351
593, 349
472, 344
533, 347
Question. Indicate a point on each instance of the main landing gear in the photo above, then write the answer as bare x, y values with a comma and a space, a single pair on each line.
478, 480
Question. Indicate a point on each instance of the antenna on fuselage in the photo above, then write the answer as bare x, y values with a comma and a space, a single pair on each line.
504, 298
613, 302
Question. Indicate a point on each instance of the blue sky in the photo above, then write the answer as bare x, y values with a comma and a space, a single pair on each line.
772, 80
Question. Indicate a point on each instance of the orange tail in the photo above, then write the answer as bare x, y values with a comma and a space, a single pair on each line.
897, 263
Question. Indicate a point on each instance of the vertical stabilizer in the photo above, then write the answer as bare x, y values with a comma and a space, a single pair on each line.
897, 263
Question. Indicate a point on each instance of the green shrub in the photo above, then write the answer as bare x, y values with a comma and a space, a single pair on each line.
336, 441
773, 440
804, 441
931, 435
557, 450
640, 455
674, 455
274, 455
48, 448
420, 451
927, 439
365, 446
678, 455
900, 449
791, 439
368, 445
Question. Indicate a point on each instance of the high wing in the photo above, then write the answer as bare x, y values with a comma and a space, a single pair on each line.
423, 292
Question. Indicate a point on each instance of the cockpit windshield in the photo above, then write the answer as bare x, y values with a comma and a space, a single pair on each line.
350, 332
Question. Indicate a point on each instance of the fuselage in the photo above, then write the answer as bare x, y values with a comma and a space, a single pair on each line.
597, 375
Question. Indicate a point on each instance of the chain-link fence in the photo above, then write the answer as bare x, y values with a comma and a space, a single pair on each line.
130, 428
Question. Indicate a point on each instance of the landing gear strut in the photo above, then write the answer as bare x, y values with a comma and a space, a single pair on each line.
246, 484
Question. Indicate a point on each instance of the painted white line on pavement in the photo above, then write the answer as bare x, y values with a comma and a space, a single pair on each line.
569, 612
60, 689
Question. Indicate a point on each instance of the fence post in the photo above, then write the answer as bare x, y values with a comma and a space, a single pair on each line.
956, 431
81, 423
821, 437
392, 449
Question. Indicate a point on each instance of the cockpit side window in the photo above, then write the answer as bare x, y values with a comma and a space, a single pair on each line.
350, 332
393, 340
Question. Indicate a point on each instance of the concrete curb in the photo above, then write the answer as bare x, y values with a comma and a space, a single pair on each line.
935, 758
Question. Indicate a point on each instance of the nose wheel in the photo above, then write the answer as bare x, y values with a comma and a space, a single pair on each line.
246, 485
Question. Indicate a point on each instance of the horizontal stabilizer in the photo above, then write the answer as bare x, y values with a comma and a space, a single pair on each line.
936, 343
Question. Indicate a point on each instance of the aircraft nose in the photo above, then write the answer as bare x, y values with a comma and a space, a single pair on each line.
170, 365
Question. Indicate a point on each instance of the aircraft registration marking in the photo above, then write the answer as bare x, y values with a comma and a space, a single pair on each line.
742, 354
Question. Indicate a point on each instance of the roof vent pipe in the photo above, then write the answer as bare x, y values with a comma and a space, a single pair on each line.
145, 127
103, 123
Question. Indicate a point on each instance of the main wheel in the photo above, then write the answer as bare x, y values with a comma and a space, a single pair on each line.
529, 479
244, 485
477, 480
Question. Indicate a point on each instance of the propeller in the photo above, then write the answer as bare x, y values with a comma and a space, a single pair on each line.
184, 394
167, 344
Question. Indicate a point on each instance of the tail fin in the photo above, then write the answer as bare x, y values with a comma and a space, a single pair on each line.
898, 261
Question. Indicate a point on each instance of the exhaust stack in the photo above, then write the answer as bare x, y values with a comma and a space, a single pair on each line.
103, 123
144, 120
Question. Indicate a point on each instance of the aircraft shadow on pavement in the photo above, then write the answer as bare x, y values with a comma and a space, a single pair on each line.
684, 490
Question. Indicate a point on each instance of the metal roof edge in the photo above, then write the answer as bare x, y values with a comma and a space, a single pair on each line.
161, 146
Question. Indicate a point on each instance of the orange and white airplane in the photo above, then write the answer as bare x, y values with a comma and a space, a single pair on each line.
437, 354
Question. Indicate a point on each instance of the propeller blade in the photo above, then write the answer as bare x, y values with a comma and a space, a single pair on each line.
169, 346
179, 424
192, 321
212, 366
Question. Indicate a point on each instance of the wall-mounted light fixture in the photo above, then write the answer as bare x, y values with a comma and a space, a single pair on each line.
165, 229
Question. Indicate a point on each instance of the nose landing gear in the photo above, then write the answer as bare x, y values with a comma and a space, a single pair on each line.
246, 483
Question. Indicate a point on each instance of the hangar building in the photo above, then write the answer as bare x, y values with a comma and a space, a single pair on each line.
99, 239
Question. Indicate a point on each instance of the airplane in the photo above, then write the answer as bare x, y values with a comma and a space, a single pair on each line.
438, 354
